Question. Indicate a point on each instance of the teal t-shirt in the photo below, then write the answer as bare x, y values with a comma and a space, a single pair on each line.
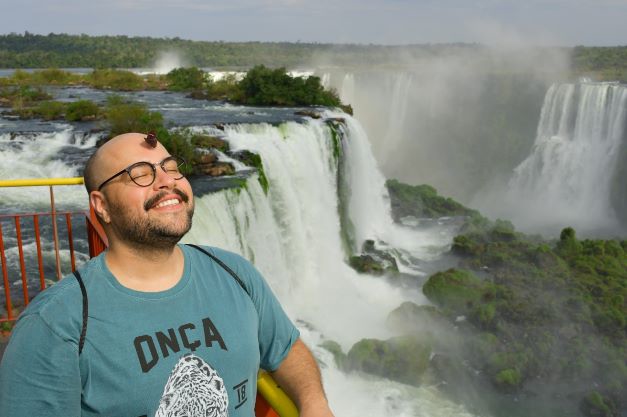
192, 350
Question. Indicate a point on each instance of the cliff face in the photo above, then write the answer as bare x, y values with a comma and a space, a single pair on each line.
543, 320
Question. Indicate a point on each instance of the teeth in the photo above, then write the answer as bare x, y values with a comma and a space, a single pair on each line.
169, 202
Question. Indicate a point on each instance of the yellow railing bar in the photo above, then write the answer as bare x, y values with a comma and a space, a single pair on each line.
275, 396
33, 182
49, 182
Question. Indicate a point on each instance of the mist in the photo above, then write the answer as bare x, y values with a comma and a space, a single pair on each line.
463, 118
166, 61
455, 118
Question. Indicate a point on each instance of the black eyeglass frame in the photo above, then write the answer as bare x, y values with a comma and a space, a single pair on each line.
180, 162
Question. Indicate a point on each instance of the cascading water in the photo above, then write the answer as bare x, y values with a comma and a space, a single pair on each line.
41, 155
567, 178
453, 123
381, 108
293, 236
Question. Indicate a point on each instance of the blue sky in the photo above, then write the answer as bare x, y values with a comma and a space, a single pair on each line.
536, 22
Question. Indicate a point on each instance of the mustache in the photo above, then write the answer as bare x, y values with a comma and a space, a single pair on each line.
153, 200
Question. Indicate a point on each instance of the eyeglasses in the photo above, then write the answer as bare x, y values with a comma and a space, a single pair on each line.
144, 173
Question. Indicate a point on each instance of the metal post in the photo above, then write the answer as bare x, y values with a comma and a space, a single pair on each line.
5, 278
55, 234
40, 261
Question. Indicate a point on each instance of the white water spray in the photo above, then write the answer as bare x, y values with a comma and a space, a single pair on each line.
566, 179
167, 61
24, 157
293, 236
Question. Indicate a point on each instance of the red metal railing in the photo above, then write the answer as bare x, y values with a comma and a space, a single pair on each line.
95, 239
95, 236
268, 394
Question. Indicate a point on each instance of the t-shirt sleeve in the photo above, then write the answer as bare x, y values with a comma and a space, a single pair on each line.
39, 373
277, 333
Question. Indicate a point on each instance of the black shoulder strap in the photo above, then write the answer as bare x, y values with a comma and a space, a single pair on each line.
223, 265
81, 341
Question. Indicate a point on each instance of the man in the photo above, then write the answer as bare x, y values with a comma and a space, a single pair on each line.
169, 331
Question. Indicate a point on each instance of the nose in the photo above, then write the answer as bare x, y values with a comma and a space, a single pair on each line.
162, 180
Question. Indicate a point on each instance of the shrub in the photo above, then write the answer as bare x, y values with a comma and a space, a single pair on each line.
126, 117
110, 79
508, 378
186, 79
265, 86
81, 110
52, 76
455, 290
226, 88
50, 110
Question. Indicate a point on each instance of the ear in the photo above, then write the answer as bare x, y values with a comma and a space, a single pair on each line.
99, 203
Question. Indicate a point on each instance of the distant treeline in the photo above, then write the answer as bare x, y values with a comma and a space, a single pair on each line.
83, 51
29, 50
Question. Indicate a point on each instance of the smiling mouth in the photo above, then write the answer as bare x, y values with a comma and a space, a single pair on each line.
170, 202
152, 202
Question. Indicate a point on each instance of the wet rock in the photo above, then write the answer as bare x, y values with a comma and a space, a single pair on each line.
373, 261
404, 359
216, 169
308, 113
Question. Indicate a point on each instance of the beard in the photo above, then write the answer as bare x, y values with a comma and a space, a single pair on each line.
151, 233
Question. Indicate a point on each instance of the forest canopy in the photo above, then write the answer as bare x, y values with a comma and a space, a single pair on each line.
30, 50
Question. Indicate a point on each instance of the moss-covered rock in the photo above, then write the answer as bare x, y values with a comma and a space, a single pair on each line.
460, 292
595, 405
422, 201
373, 261
410, 317
338, 355
404, 359
253, 160
209, 142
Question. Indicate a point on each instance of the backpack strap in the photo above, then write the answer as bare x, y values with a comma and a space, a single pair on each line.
223, 265
81, 341
77, 275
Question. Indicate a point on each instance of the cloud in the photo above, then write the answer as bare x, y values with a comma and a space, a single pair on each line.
565, 22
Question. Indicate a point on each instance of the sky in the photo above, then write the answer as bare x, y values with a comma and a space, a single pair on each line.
525, 22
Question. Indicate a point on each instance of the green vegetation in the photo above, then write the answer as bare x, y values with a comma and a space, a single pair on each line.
557, 311
422, 201
186, 79
260, 86
109, 79
81, 110
254, 160
266, 86
533, 316
69, 51
28, 102
404, 359
601, 63
373, 261
29, 50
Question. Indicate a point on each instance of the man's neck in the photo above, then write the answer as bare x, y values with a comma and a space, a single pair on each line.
148, 270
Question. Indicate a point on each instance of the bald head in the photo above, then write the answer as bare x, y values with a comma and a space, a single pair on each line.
116, 154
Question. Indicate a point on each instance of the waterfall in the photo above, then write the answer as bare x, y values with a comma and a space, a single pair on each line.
23, 156
42, 155
455, 124
567, 178
292, 234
